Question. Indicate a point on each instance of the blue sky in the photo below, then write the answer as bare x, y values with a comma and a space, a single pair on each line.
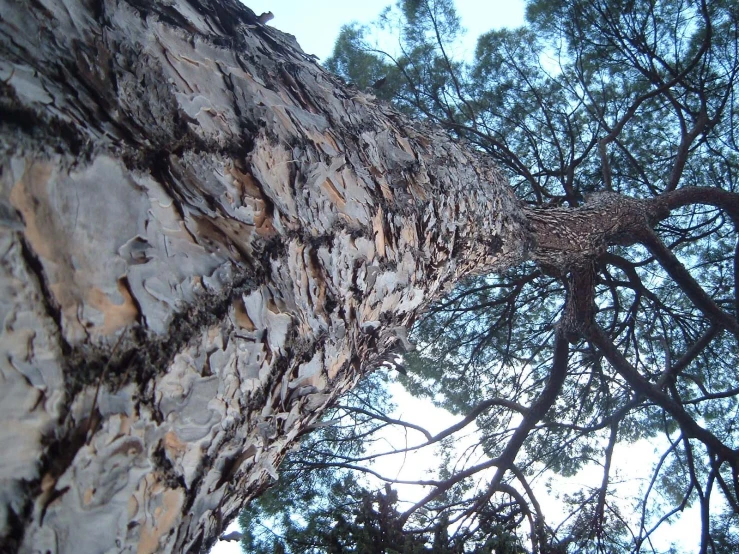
316, 25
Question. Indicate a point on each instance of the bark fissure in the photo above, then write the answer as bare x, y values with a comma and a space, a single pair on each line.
151, 354
52, 309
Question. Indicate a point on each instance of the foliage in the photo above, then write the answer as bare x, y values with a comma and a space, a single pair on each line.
308, 483
332, 510
635, 97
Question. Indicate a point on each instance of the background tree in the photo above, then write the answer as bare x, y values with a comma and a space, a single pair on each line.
609, 96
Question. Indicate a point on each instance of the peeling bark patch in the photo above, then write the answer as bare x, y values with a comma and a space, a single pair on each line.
117, 316
378, 227
142, 356
31, 382
165, 516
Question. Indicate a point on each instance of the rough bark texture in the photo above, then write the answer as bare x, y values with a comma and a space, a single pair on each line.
205, 240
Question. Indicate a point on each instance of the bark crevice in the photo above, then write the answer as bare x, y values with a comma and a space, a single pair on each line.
48, 300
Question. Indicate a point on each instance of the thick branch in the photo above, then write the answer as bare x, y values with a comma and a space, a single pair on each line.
687, 283
641, 385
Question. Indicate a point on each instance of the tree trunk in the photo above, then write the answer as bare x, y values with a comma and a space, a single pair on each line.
206, 239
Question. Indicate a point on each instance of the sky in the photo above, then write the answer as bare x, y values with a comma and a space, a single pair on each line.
316, 25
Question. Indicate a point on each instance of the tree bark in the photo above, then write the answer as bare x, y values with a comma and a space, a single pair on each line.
205, 240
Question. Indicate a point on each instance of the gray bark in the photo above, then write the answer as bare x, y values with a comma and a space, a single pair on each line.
205, 240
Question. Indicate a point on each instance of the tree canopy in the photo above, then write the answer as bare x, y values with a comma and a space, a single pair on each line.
591, 97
